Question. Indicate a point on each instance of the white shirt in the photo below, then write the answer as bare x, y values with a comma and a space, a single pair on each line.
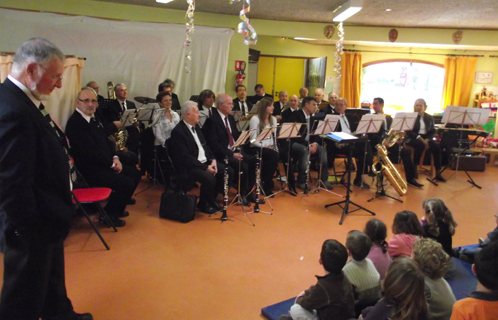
243, 108
162, 126
423, 129
344, 124
121, 103
254, 124
202, 155
35, 101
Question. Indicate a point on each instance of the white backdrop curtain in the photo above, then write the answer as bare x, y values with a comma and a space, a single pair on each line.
139, 54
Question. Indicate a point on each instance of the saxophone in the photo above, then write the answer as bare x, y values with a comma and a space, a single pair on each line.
119, 138
385, 166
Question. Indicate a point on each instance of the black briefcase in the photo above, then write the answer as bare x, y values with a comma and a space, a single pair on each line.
177, 206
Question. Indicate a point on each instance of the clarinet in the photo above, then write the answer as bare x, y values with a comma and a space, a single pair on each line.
224, 216
258, 182
306, 188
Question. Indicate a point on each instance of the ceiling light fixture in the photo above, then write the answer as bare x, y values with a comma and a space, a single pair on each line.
347, 10
163, 1
388, 10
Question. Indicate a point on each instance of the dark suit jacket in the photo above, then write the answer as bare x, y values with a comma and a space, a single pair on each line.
299, 117
217, 135
379, 136
329, 110
114, 111
35, 199
277, 111
185, 152
287, 113
236, 105
90, 148
175, 102
429, 125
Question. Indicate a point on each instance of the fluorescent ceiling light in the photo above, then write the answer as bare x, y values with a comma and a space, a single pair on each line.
347, 10
163, 1
298, 38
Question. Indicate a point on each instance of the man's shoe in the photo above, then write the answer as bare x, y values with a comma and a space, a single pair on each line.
216, 205
415, 176
207, 208
293, 190
414, 183
117, 222
439, 177
328, 185
131, 201
357, 182
124, 214
82, 316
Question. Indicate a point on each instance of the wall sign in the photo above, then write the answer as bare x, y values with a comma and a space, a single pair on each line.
484, 77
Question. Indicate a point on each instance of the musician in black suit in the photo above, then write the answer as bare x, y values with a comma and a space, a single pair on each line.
95, 86
421, 137
307, 145
194, 160
280, 105
320, 103
221, 133
293, 106
240, 103
260, 94
205, 105
169, 85
347, 124
35, 199
96, 159
330, 108
395, 151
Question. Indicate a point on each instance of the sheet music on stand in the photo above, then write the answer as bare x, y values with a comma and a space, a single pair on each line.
404, 121
370, 123
265, 134
289, 130
327, 125
127, 117
244, 136
464, 115
146, 114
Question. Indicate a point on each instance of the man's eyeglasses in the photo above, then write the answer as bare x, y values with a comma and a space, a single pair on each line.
87, 101
54, 77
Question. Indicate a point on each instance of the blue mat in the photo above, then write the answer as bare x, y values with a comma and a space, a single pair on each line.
462, 284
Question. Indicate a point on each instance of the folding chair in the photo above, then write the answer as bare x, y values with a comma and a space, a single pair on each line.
89, 195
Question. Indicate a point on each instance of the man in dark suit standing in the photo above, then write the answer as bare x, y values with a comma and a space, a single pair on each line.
35, 199
194, 160
421, 137
221, 133
96, 159
240, 103
395, 150
307, 145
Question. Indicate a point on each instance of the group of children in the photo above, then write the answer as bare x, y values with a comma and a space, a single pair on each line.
403, 279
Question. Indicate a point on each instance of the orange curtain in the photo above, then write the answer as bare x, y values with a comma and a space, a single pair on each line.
458, 79
351, 78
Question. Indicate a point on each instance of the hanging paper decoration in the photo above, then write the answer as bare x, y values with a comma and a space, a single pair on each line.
245, 28
338, 49
189, 30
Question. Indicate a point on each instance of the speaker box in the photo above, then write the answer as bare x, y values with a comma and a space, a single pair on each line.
472, 163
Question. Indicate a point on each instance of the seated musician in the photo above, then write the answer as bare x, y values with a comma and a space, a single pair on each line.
305, 146
280, 105
163, 122
241, 103
346, 124
259, 89
169, 85
269, 150
320, 103
330, 108
95, 86
221, 134
96, 159
395, 150
422, 137
293, 106
205, 103
194, 161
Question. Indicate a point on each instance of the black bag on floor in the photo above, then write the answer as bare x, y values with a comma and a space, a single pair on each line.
177, 206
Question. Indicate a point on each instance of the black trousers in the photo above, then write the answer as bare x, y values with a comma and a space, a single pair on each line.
359, 150
419, 147
248, 171
123, 186
406, 158
210, 185
268, 167
33, 280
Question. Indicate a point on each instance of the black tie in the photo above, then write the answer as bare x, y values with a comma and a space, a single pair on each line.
124, 107
193, 130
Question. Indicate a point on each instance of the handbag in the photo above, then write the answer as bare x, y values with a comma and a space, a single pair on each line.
177, 206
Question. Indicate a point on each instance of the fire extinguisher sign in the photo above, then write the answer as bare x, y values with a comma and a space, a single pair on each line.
238, 65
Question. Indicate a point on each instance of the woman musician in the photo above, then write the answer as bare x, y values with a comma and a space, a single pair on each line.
270, 155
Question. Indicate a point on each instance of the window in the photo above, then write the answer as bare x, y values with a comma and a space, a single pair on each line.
400, 83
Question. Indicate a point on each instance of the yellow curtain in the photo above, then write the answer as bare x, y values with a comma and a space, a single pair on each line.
458, 79
5, 66
351, 78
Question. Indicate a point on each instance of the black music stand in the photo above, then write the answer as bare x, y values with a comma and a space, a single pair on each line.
341, 137
463, 116
288, 131
369, 123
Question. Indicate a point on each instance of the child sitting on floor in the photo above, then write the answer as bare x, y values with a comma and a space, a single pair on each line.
438, 223
361, 272
434, 262
407, 230
376, 230
403, 294
332, 297
482, 303
468, 255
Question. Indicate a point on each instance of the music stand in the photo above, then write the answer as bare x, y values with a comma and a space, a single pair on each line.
325, 126
126, 117
369, 123
341, 137
463, 116
146, 114
288, 131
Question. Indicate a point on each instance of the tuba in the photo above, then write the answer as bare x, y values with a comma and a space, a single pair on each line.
384, 165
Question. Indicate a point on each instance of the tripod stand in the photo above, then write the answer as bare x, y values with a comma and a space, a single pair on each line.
320, 185
153, 182
347, 202
382, 193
